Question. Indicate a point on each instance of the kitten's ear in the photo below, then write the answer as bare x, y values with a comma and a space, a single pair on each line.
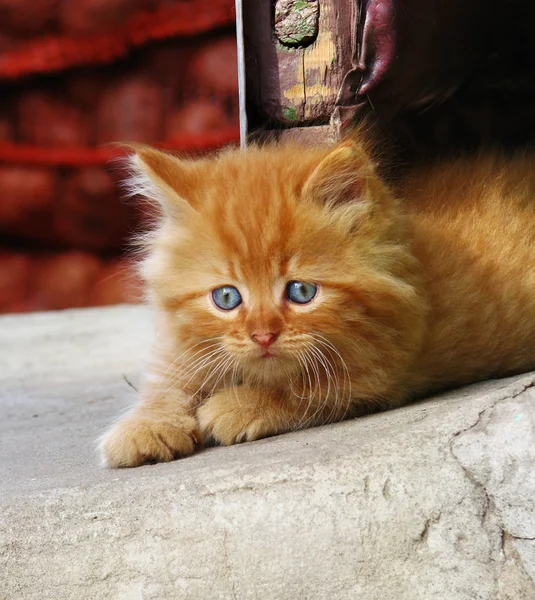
341, 176
163, 178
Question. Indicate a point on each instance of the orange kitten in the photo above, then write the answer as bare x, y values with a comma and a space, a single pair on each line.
293, 288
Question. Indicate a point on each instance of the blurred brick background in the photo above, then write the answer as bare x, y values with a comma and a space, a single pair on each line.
76, 75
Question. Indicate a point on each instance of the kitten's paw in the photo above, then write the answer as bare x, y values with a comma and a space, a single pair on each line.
224, 420
137, 440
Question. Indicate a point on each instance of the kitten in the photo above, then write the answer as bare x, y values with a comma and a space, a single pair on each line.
294, 288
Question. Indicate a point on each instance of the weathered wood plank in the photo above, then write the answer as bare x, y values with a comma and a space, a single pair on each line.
311, 135
297, 53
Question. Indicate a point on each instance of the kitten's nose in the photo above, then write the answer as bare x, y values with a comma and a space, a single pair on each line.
265, 339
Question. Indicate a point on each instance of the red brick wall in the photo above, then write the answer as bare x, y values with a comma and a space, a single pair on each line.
64, 227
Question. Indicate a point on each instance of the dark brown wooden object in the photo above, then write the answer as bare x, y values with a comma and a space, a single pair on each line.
433, 77
297, 54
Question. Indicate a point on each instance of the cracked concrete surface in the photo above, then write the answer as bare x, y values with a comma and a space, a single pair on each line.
432, 501
498, 454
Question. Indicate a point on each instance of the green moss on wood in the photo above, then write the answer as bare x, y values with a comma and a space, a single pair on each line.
296, 22
290, 114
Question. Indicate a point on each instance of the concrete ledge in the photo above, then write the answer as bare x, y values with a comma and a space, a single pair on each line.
431, 501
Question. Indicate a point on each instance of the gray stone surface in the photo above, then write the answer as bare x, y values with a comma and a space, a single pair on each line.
431, 501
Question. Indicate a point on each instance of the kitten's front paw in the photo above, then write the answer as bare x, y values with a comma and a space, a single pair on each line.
138, 439
226, 421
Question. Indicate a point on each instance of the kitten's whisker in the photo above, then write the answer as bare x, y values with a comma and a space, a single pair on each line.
207, 363
307, 371
196, 358
217, 366
324, 341
314, 365
181, 371
225, 384
234, 383
324, 363
186, 368
330, 376
304, 362
333, 376
291, 378
179, 377
308, 397
172, 364
347, 378
328, 400
317, 387
342, 395
220, 371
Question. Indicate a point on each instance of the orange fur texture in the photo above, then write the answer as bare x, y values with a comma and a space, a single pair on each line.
424, 287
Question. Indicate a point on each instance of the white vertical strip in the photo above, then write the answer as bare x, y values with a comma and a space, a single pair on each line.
241, 74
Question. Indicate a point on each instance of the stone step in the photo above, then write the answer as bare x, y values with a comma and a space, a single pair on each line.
431, 501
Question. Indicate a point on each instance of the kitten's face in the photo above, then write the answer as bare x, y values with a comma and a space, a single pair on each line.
272, 260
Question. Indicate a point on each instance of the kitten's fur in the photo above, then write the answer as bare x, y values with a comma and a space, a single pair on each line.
431, 290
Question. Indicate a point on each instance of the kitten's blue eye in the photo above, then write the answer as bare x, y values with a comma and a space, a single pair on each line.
226, 297
301, 292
